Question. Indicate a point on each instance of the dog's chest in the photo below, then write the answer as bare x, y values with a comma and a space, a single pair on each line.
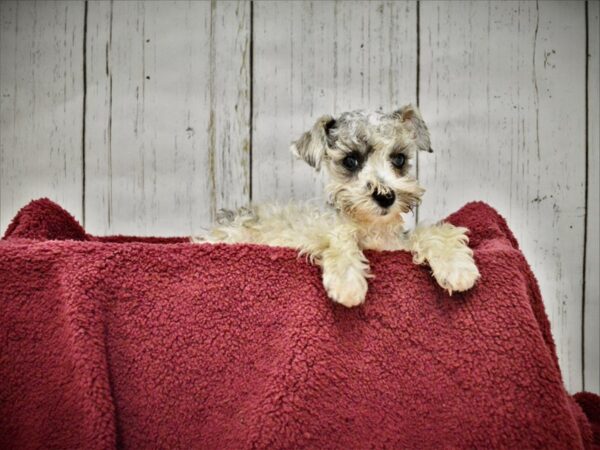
373, 240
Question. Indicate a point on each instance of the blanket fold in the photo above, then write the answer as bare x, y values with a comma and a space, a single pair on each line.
132, 342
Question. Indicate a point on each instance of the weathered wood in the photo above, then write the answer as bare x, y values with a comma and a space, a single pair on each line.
504, 85
591, 347
41, 98
315, 58
167, 114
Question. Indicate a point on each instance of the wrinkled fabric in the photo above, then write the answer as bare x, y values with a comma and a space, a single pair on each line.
158, 343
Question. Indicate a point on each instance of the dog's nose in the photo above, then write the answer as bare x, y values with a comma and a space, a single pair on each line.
384, 200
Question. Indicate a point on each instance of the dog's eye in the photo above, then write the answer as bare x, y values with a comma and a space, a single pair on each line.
398, 160
350, 162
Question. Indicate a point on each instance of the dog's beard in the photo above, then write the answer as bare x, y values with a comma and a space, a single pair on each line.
358, 204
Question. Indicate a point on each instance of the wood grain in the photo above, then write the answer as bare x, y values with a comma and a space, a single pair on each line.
592, 274
167, 115
315, 58
504, 84
41, 98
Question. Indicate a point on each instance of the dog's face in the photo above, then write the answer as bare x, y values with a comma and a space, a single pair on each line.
368, 157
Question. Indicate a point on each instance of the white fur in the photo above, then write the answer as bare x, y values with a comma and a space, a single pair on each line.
336, 244
335, 237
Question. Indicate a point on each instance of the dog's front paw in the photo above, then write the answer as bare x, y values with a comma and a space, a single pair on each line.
347, 287
456, 274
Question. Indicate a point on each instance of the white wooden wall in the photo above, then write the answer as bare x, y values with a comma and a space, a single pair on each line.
148, 117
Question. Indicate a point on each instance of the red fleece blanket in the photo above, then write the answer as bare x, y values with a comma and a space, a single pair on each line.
158, 343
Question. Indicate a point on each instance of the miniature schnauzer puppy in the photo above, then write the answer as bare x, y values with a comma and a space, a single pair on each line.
368, 158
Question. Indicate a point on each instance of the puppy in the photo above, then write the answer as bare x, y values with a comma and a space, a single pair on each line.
368, 158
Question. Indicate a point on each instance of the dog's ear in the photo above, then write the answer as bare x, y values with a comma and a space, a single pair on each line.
411, 118
313, 144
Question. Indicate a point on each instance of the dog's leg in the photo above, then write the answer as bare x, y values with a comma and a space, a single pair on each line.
345, 268
444, 248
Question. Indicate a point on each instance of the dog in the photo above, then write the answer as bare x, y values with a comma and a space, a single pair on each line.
367, 156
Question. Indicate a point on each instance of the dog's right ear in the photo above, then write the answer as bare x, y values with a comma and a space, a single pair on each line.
410, 116
313, 144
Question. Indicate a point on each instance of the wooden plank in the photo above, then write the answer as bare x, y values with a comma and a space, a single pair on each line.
315, 58
41, 98
504, 83
167, 116
592, 276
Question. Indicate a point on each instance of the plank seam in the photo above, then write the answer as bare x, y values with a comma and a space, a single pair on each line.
110, 111
585, 210
251, 106
418, 90
418, 87
535, 82
84, 106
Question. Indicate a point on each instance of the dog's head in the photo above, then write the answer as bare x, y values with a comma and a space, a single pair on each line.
368, 157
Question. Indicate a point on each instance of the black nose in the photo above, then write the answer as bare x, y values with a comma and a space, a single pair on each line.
384, 200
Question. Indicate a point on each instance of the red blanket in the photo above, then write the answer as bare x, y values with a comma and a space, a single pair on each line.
138, 343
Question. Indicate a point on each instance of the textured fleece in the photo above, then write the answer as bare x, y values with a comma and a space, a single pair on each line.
158, 343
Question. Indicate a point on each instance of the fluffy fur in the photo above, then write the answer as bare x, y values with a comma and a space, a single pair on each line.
368, 158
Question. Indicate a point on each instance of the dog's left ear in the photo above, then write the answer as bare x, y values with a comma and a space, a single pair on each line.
410, 116
313, 144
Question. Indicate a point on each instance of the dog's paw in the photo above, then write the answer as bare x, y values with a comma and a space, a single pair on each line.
456, 274
346, 287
